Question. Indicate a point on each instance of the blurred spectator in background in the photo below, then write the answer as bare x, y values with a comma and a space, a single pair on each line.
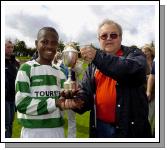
11, 68
149, 52
151, 98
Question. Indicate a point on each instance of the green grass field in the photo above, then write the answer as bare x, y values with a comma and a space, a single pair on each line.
82, 125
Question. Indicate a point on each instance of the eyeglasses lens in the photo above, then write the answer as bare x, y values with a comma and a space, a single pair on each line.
109, 35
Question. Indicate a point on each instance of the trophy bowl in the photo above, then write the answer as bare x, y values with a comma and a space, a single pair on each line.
70, 56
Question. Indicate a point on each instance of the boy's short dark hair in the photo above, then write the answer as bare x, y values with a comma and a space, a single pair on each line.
48, 29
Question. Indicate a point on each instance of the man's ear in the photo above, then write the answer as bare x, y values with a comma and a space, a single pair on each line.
36, 43
121, 38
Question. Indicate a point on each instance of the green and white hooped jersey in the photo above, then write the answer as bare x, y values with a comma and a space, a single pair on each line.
37, 88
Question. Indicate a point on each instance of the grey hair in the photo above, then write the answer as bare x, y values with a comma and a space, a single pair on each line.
110, 22
8, 41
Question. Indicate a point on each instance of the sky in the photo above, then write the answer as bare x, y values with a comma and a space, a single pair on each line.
79, 22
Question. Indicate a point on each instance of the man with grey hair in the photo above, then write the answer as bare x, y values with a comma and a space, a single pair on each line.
11, 68
113, 87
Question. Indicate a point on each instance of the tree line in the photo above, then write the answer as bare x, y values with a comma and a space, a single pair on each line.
21, 49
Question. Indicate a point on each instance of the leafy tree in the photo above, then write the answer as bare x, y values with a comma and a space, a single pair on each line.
61, 46
20, 48
31, 51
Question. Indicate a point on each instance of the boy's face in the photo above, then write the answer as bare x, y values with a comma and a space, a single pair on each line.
46, 45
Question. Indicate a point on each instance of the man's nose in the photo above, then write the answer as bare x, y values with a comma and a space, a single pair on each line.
109, 37
11, 49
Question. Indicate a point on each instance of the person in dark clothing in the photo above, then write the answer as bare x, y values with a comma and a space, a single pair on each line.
11, 68
113, 87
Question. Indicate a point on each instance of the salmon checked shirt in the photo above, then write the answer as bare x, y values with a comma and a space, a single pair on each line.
106, 95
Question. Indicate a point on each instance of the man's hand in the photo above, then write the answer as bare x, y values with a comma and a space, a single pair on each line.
88, 53
63, 103
69, 94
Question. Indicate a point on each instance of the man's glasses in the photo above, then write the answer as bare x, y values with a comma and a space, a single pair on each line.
106, 36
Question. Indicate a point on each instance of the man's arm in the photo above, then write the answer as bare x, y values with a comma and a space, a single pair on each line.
129, 70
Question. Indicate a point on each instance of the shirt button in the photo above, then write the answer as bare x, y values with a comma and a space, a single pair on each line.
132, 123
118, 105
117, 127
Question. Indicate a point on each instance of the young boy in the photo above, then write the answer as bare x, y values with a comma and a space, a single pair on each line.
38, 86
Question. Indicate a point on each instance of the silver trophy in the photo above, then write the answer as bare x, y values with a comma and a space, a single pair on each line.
70, 56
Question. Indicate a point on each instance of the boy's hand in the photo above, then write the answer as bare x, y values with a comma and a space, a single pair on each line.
60, 103
63, 103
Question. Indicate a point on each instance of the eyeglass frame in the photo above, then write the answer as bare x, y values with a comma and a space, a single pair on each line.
109, 35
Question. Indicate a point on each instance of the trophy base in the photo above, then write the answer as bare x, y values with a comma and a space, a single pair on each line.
70, 85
